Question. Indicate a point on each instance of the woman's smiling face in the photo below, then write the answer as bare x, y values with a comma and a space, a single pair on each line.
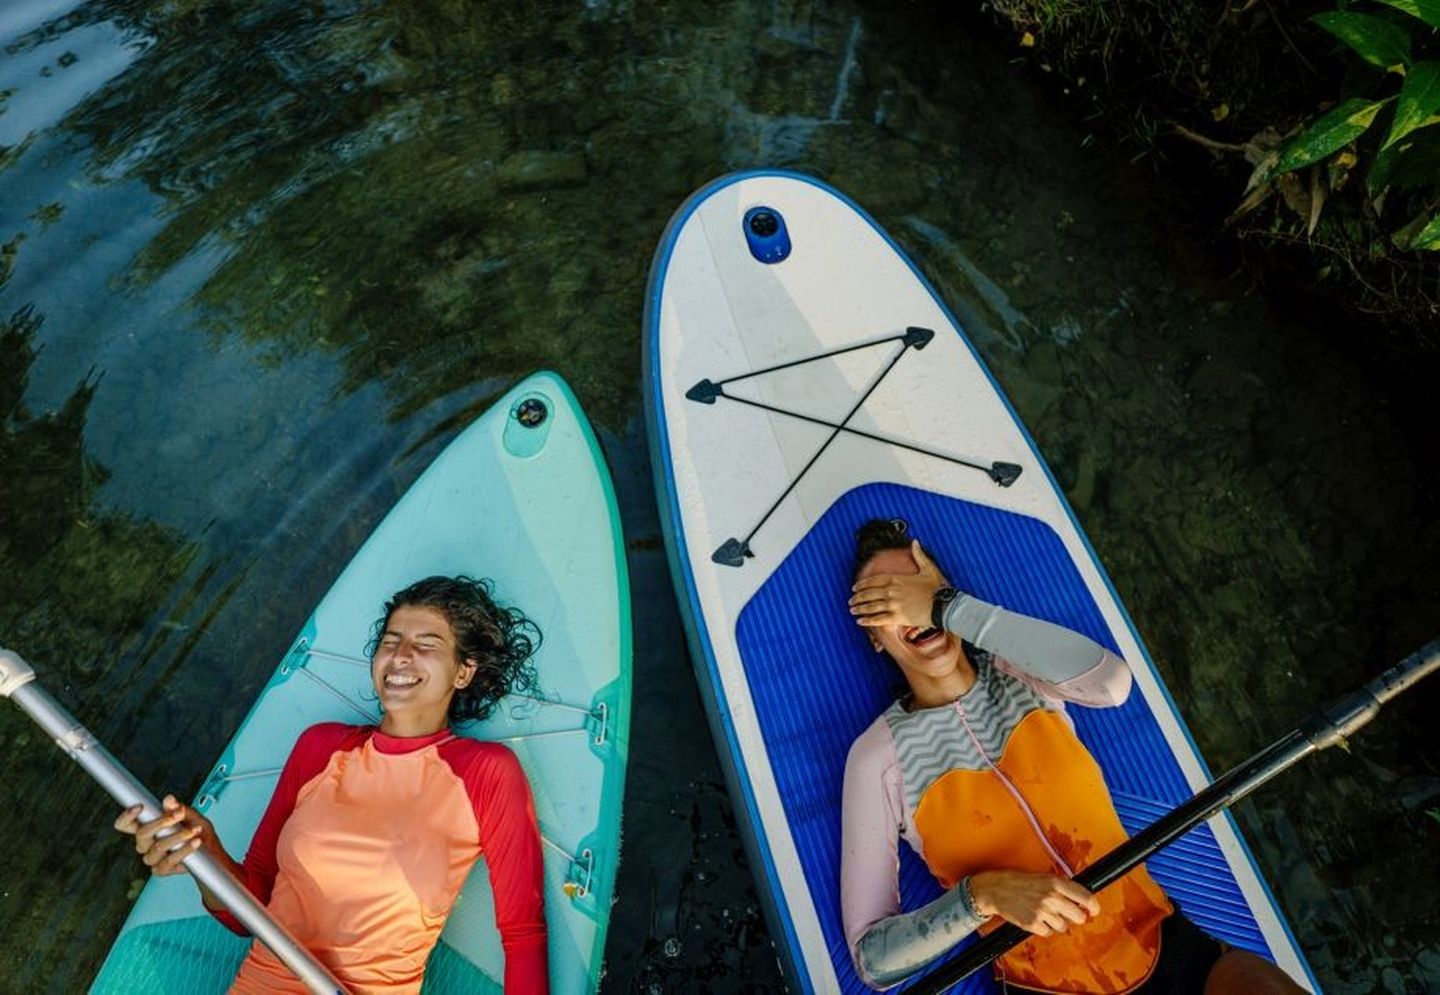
414, 669
916, 650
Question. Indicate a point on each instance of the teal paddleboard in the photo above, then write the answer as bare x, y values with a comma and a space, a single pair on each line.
522, 496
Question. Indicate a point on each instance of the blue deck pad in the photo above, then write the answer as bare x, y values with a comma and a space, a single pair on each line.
816, 684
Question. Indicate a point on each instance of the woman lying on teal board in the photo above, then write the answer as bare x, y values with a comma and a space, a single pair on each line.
372, 830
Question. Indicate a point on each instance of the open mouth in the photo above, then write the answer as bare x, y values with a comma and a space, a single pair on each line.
401, 680
919, 637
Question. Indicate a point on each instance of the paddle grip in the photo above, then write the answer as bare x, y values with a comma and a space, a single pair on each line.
1345, 716
1420, 664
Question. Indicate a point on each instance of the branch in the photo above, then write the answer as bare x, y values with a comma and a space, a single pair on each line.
1210, 143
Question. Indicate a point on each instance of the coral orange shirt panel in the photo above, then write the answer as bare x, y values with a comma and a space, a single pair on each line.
368, 840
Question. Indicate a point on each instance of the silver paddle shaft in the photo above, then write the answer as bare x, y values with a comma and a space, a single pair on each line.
17, 682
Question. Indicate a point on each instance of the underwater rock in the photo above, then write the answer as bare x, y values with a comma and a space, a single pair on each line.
1138, 487
1236, 598
535, 170
570, 277
896, 177
1082, 492
1042, 362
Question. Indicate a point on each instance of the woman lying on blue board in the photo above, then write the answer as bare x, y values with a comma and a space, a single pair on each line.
372, 831
980, 771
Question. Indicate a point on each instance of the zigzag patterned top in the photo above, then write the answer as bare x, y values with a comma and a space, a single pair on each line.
932, 741
1022, 664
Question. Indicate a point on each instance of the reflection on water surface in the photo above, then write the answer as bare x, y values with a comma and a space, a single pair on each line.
258, 262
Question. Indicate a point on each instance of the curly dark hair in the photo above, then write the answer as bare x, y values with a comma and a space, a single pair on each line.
500, 640
878, 535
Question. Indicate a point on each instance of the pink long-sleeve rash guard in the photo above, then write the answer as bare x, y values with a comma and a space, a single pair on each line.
368, 840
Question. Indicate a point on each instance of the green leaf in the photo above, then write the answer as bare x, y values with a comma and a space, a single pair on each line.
1419, 98
1377, 40
1334, 130
1413, 162
1427, 10
1429, 237
1420, 232
1378, 177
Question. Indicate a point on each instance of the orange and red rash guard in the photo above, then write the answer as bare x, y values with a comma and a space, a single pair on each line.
366, 843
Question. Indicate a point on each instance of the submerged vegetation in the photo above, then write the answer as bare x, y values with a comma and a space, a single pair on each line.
80, 585
1318, 120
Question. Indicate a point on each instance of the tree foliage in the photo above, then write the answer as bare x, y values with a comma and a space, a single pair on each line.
1398, 37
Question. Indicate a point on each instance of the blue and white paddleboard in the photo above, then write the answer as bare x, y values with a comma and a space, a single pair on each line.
522, 497
803, 377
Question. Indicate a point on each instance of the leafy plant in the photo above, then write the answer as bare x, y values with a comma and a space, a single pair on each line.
1401, 43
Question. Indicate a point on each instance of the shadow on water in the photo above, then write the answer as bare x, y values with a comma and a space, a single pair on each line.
284, 251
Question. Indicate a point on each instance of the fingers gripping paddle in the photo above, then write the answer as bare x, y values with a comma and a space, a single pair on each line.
1329, 726
17, 682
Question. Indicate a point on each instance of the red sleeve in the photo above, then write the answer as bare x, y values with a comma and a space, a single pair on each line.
510, 843
310, 755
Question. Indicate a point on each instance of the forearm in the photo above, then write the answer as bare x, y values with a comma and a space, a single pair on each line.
897, 947
526, 963
1049, 652
510, 842
232, 866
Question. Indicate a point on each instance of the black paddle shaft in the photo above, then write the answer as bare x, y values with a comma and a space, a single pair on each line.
1331, 725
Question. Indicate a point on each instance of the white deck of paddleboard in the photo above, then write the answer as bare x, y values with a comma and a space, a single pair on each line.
721, 314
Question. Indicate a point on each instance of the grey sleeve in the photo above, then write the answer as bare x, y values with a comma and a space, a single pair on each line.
1077, 667
897, 947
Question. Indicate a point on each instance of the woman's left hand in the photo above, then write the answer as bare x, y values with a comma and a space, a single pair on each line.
164, 842
898, 599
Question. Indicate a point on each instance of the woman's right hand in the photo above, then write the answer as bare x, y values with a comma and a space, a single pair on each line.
899, 599
1042, 904
162, 851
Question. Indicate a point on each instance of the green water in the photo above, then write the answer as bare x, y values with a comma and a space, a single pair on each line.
260, 261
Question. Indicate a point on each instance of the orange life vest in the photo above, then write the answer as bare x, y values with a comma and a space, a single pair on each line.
977, 820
